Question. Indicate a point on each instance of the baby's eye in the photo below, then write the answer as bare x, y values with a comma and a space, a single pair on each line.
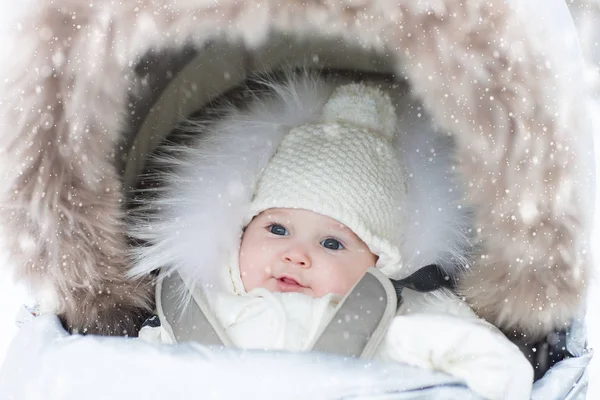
332, 244
278, 230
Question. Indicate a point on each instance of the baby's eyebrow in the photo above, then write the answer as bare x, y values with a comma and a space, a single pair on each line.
274, 214
343, 229
340, 226
271, 216
280, 219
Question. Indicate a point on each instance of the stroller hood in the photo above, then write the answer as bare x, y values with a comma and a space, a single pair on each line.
86, 81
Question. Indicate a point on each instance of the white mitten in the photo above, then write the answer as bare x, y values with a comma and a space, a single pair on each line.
467, 348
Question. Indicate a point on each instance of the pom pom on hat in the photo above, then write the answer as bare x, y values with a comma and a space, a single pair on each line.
363, 106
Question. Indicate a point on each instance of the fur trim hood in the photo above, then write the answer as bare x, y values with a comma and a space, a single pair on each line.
192, 221
510, 92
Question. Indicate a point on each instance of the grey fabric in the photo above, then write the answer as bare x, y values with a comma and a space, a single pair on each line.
355, 330
150, 72
194, 322
361, 319
168, 78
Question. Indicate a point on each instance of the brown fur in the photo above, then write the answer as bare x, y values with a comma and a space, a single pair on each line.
65, 102
61, 196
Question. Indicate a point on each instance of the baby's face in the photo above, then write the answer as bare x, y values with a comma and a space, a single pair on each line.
288, 250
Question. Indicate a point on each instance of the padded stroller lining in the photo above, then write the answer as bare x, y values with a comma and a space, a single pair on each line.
175, 85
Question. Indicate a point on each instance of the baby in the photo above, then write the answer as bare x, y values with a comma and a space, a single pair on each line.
295, 250
330, 203
295, 266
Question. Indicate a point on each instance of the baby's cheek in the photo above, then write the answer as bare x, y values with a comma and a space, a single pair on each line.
253, 274
349, 279
248, 276
341, 285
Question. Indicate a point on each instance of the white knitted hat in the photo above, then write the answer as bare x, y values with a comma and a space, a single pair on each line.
344, 168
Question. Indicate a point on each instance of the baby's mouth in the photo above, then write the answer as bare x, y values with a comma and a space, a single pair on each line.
287, 284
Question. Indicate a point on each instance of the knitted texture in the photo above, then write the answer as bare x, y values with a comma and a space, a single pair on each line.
345, 169
364, 106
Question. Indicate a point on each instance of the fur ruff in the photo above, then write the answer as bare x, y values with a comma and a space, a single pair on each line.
194, 222
474, 64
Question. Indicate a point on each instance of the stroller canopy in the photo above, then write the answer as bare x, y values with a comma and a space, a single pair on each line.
94, 87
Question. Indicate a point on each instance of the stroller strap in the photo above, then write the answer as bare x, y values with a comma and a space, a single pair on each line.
355, 330
361, 319
187, 319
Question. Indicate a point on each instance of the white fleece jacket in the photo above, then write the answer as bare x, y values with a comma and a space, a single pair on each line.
434, 330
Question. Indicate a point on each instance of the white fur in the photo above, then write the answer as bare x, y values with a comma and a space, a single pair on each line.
209, 191
439, 223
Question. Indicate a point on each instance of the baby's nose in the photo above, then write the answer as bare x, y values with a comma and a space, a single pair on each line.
298, 256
